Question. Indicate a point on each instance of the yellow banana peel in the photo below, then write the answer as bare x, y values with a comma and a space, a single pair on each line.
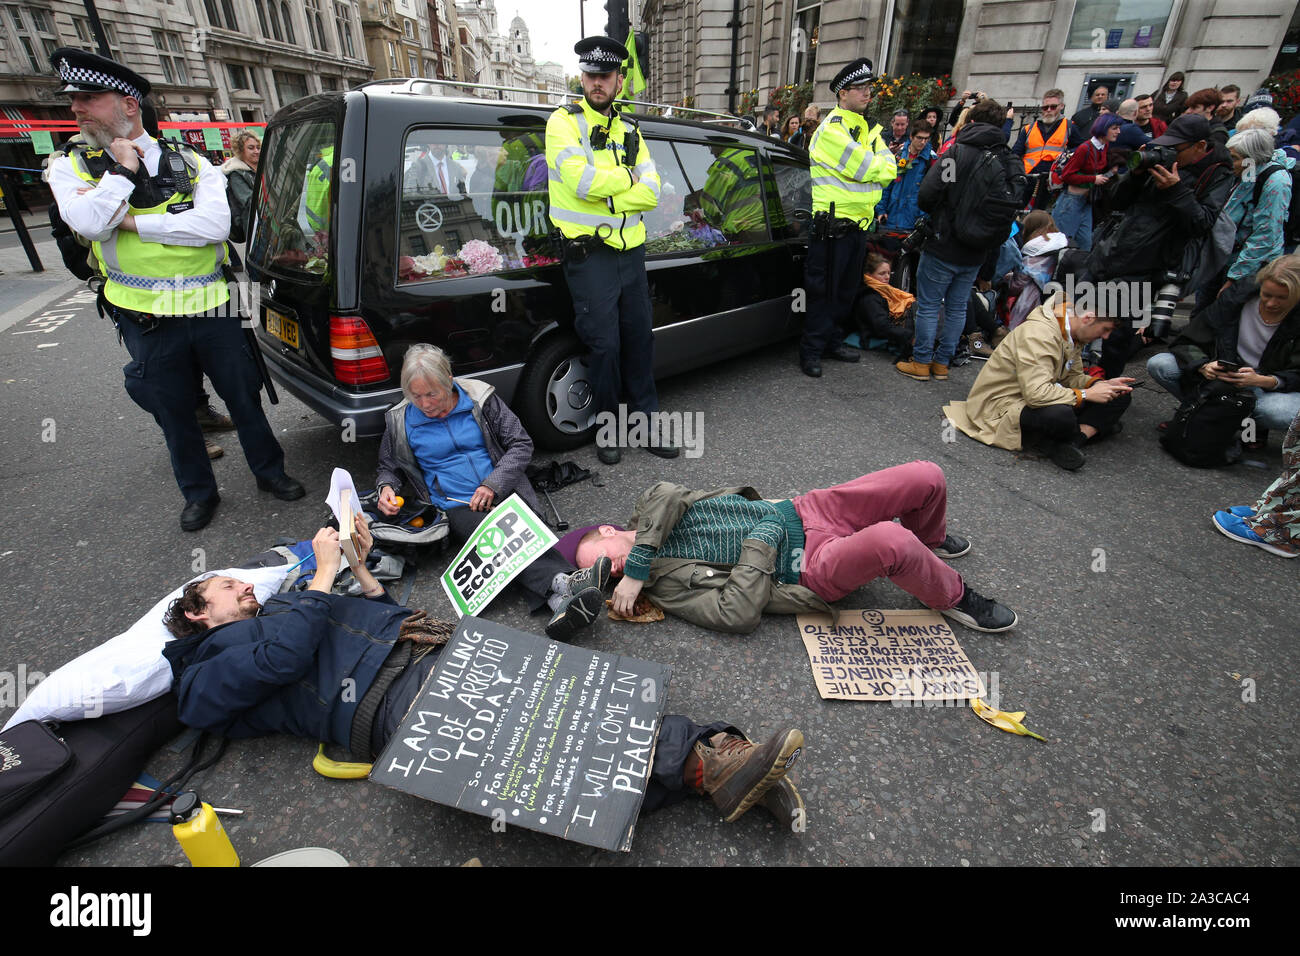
1010, 721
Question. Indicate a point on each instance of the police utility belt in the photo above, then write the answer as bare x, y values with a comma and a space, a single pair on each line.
827, 226
577, 250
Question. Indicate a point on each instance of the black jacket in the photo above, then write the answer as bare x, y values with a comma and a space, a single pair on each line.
1212, 335
1158, 224
939, 189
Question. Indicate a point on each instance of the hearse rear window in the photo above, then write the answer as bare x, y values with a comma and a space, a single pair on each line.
292, 226
473, 202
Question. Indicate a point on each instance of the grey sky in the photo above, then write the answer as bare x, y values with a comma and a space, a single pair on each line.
553, 26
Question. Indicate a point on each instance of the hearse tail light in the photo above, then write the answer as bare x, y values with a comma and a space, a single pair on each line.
357, 357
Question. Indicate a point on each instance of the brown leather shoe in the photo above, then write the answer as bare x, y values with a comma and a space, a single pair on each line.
784, 802
736, 774
940, 372
215, 451
211, 420
914, 370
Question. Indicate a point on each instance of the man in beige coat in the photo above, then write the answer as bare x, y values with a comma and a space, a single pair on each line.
1035, 392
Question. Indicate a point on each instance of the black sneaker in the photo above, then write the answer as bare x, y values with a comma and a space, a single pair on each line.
952, 547
600, 575
576, 613
1065, 455
981, 613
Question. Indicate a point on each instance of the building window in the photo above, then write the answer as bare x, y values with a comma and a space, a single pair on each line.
171, 53
923, 37
316, 26
343, 23
288, 23
289, 86
412, 65
272, 17
216, 9
329, 84
82, 26
228, 8
803, 40
1123, 25
409, 28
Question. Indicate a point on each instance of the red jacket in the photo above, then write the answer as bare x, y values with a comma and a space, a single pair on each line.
1083, 167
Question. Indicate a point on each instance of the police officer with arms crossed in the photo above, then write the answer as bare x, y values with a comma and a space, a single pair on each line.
158, 220
601, 179
851, 166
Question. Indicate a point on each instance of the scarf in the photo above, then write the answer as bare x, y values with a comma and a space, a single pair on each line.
897, 300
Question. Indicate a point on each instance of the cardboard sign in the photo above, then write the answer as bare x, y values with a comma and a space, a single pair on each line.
42, 142
888, 655
531, 733
212, 138
508, 540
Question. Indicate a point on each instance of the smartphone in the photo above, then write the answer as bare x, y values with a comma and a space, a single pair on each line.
1228, 366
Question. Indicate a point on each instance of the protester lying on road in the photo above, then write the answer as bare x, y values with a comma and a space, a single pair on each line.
242, 669
460, 448
1035, 391
721, 558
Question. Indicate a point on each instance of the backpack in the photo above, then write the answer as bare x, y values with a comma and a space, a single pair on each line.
1054, 181
1203, 431
988, 202
1291, 228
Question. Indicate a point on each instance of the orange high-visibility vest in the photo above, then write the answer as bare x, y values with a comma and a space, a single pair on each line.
1037, 150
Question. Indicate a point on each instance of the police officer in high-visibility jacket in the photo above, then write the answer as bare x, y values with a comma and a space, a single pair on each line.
157, 217
316, 204
851, 166
601, 179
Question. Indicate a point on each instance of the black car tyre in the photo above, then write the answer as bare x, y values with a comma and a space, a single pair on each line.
555, 398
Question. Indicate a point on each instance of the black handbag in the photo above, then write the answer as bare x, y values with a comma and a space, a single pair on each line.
31, 755
1203, 431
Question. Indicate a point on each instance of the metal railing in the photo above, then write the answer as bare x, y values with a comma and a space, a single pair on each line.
670, 110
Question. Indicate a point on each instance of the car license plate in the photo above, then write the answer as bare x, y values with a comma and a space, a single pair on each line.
282, 327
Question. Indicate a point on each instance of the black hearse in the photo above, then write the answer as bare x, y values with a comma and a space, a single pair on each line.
386, 215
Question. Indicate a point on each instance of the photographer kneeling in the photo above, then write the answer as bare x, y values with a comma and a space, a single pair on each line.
1250, 338
1166, 206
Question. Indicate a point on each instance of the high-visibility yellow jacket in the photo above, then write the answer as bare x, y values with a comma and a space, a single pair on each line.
591, 188
732, 196
318, 191
152, 277
851, 166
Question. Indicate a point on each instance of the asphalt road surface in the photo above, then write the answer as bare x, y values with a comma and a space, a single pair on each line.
1157, 657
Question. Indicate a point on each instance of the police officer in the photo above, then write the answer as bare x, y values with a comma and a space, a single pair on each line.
157, 217
601, 179
851, 165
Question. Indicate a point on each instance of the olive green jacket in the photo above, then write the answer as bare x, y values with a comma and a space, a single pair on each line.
721, 597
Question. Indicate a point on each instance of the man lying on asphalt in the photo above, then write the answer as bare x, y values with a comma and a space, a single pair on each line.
721, 558
344, 670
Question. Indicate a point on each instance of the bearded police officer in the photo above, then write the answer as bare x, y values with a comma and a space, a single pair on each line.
157, 218
851, 165
601, 179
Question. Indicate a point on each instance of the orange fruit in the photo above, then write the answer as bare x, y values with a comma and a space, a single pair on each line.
417, 522
399, 500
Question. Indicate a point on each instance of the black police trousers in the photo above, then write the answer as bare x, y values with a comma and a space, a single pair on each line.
833, 278
160, 379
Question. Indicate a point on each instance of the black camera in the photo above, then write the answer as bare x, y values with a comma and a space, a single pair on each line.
920, 234
1150, 156
1167, 296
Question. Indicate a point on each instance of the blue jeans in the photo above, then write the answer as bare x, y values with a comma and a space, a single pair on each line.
1073, 215
940, 283
1272, 409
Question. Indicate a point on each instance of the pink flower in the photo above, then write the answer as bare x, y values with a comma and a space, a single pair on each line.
480, 257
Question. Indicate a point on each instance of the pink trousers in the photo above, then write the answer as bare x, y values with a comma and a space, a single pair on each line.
851, 537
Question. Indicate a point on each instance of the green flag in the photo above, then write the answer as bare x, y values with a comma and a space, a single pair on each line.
635, 78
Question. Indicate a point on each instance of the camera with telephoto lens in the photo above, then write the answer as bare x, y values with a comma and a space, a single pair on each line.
1150, 156
917, 238
1162, 309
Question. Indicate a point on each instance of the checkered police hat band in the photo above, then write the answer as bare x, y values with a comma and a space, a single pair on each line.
860, 75
602, 58
78, 74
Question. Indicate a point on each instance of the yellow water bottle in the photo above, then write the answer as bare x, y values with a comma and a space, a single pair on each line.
200, 833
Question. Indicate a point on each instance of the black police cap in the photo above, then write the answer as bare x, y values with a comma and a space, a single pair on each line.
83, 72
859, 71
599, 54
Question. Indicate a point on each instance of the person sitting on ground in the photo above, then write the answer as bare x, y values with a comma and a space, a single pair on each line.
882, 311
1255, 325
1274, 523
721, 558
1035, 392
1039, 254
241, 669
459, 447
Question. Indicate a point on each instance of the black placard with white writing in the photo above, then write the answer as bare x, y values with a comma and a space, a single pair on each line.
531, 733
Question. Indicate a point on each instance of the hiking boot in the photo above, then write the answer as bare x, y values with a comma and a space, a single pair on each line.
577, 612
940, 372
953, 546
915, 370
736, 774
981, 613
980, 349
211, 420
784, 802
600, 575
215, 451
